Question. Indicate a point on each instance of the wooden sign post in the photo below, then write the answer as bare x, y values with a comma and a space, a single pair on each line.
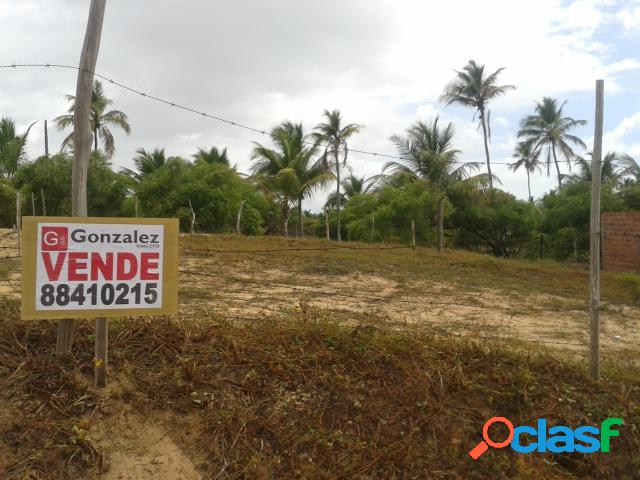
97, 268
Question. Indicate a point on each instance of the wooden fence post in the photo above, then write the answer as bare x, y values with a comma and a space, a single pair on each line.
19, 220
326, 225
44, 205
594, 250
239, 218
82, 136
413, 232
373, 226
101, 360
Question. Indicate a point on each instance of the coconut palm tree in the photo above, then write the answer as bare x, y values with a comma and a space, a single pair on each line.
528, 159
615, 169
146, 163
213, 156
288, 169
12, 147
548, 129
474, 89
335, 135
351, 186
428, 154
100, 120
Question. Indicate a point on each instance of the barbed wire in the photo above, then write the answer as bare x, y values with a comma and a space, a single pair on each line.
298, 249
204, 114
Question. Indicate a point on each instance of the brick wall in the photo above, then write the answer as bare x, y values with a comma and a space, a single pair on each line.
621, 241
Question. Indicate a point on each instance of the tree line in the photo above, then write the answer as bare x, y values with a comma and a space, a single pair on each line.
430, 196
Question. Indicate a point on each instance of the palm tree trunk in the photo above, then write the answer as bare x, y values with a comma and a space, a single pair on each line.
95, 139
555, 160
529, 186
440, 240
338, 192
300, 220
486, 148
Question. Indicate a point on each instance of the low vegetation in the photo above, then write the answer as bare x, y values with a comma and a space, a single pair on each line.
305, 398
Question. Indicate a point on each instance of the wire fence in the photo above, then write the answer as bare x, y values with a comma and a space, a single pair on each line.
201, 113
429, 313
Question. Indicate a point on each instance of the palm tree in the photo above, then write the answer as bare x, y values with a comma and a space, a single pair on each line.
313, 175
427, 154
146, 163
351, 187
286, 169
335, 135
472, 88
528, 159
549, 129
100, 120
212, 156
615, 169
12, 147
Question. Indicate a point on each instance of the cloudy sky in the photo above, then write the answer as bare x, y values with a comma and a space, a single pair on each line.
383, 63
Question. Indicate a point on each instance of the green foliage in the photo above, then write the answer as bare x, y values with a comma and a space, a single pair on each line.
630, 281
106, 190
496, 221
566, 217
214, 190
388, 214
12, 147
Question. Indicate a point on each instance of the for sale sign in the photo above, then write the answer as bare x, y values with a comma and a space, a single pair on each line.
98, 267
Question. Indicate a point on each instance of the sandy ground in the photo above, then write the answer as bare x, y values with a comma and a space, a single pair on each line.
553, 320
242, 290
142, 447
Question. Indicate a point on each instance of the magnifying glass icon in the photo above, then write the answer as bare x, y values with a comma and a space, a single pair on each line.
483, 446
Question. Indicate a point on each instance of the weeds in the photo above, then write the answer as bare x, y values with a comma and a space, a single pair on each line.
308, 398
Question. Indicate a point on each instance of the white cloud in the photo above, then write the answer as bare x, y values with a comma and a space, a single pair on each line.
382, 63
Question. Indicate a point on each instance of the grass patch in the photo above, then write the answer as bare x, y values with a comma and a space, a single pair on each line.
306, 398
460, 269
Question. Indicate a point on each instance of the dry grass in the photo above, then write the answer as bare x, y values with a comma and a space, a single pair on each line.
304, 399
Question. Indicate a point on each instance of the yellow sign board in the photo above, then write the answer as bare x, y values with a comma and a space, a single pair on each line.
75, 267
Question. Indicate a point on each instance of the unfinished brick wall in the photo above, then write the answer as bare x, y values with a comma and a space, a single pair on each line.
621, 241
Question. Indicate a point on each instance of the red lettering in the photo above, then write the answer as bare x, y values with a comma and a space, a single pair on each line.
53, 272
149, 262
77, 263
99, 266
127, 266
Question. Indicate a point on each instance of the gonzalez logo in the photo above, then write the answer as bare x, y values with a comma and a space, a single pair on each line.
54, 239
558, 439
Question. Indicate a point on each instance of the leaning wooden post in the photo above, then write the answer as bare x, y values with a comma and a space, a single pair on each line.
33, 204
193, 218
239, 218
19, 220
594, 250
82, 138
